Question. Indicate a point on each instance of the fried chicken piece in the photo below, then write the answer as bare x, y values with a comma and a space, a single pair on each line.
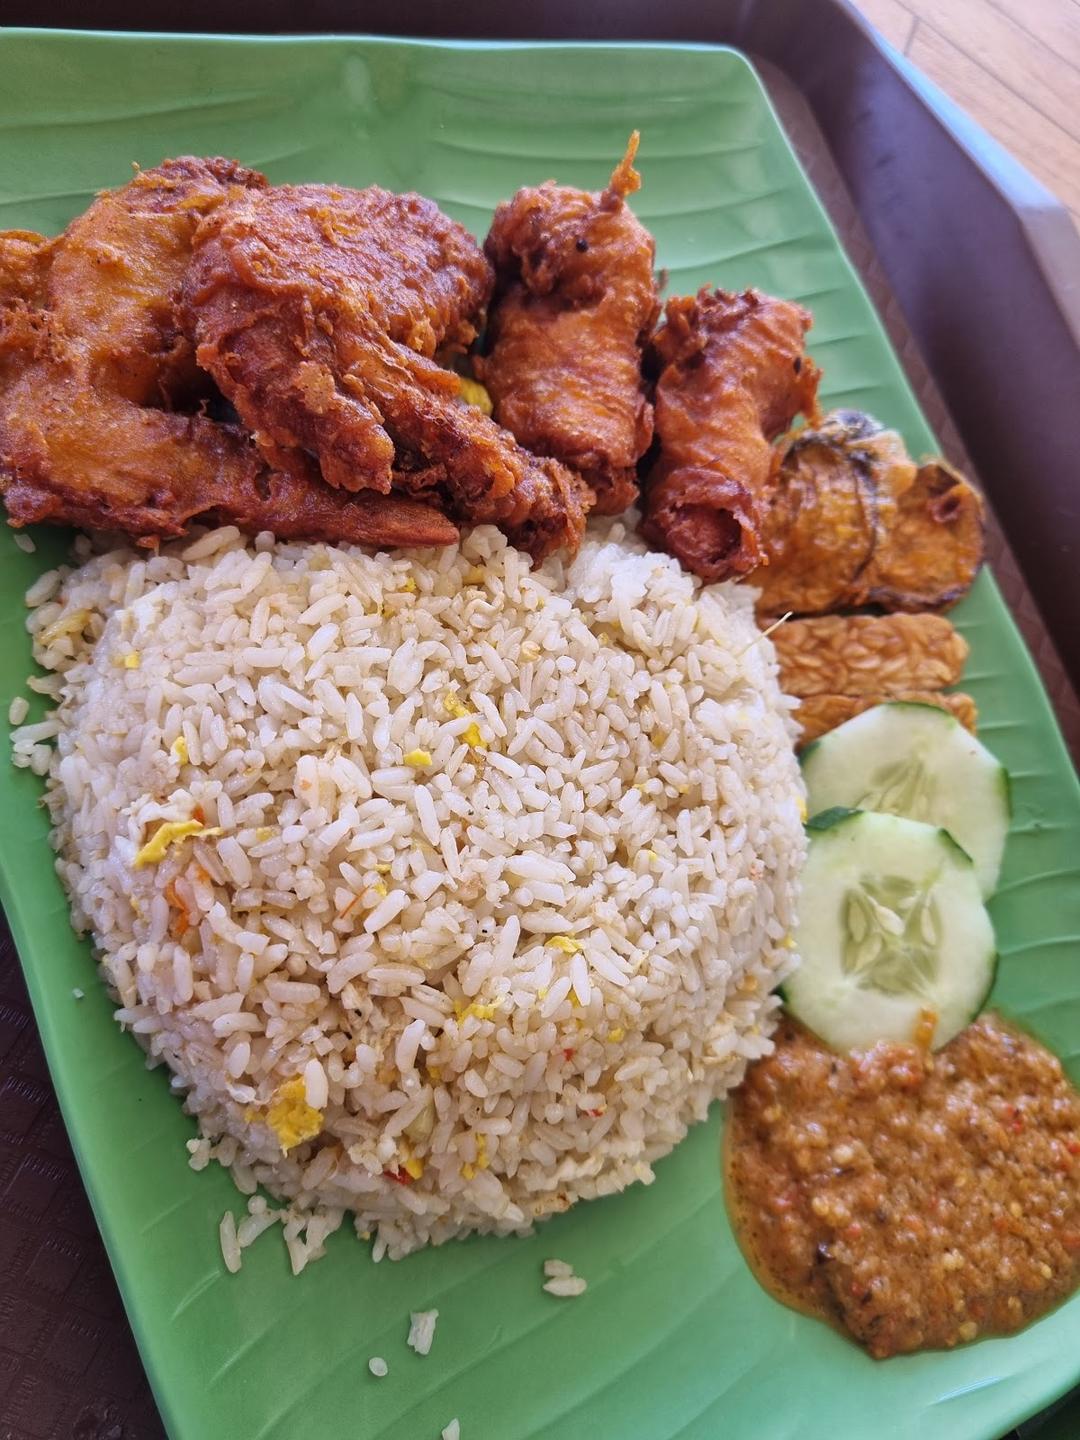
820, 713
92, 360
851, 520
24, 259
576, 300
868, 654
732, 376
109, 465
318, 311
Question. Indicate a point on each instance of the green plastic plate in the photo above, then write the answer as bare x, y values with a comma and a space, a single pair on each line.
673, 1337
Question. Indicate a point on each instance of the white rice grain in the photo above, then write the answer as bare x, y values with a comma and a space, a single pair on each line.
565, 1286
554, 1268
230, 1245
422, 1330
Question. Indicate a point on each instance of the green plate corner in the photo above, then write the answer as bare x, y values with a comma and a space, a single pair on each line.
673, 1338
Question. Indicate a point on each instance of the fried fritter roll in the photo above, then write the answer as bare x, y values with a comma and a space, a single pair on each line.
576, 300
732, 376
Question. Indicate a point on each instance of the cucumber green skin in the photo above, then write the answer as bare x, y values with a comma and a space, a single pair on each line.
829, 819
828, 822
1005, 783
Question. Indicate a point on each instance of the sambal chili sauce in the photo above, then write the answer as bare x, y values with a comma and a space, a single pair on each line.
915, 1200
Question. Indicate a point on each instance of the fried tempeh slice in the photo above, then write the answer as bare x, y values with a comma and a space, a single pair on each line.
732, 376
820, 713
868, 654
575, 302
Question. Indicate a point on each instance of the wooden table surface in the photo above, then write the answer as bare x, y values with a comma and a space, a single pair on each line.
1013, 65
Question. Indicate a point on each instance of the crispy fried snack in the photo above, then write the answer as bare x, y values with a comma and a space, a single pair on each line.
24, 258
93, 362
318, 311
576, 300
733, 376
819, 713
868, 654
934, 542
852, 521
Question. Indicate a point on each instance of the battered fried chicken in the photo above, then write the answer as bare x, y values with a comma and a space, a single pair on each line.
576, 300
92, 360
851, 520
732, 376
318, 311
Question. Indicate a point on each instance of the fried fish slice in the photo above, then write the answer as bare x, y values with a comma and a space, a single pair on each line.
732, 376
820, 713
868, 654
851, 521
576, 300
318, 310
91, 359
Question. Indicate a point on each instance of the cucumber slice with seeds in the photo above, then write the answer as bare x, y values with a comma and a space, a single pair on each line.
894, 937
917, 761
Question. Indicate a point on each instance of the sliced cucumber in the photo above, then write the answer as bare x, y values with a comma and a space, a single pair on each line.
892, 932
915, 760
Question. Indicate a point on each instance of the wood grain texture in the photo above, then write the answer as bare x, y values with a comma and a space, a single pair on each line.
1055, 22
1013, 65
1026, 64
892, 18
1049, 152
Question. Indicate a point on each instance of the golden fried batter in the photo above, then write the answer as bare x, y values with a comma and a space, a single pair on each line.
934, 539
318, 311
576, 300
851, 520
92, 360
733, 376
